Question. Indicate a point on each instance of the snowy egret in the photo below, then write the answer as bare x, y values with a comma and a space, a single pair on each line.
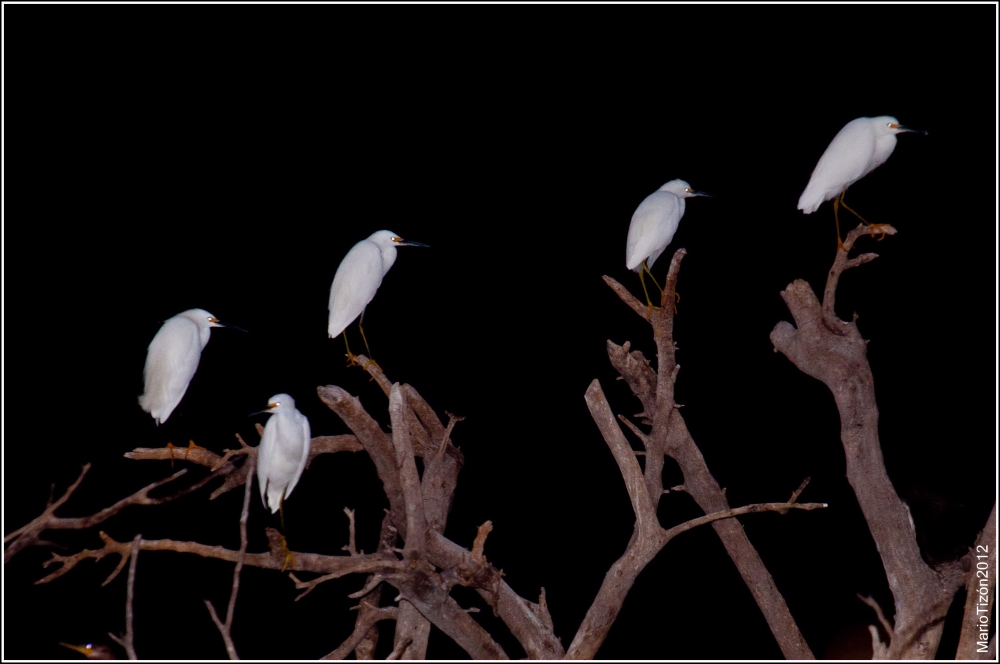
283, 451
653, 226
857, 149
357, 279
172, 359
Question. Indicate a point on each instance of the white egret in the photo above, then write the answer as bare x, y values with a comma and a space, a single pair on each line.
283, 451
357, 279
653, 226
173, 358
857, 149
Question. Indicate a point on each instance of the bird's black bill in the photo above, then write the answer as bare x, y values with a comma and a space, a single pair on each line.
914, 131
233, 327
702, 193
411, 243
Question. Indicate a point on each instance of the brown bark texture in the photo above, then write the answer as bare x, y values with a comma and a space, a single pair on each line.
831, 350
669, 436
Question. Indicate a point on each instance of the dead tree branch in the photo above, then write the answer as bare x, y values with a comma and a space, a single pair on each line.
669, 436
29, 534
361, 629
127, 641
973, 643
217, 463
648, 537
437, 488
225, 628
832, 351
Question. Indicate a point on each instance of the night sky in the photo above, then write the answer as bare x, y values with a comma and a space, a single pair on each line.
162, 158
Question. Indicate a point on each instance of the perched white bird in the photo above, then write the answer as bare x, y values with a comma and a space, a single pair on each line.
357, 279
857, 149
173, 358
283, 451
653, 226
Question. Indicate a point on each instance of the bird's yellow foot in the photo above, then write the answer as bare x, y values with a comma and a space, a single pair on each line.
879, 229
170, 449
351, 358
289, 556
369, 363
193, 446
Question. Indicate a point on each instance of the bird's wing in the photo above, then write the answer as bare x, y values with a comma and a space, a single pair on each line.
171, 362
653, 226
845, 161
265, 458
354, 285
306, 437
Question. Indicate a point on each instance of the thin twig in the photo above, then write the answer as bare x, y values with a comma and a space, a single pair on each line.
28, 535
226, 628
128, 640
351, 547
446, 438
886, 625
361, 628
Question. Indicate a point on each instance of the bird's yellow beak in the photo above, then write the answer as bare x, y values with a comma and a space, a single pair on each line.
272, 405
213, 320
86, 650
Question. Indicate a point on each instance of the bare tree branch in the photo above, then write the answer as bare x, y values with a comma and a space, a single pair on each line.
980, 586
841, 262
225, 629
538, 640
648, 537
375, 441
217, 464
361, 629
886, 625
127, 641
669, 436
832, 350
28, 535
372, 591
413, 502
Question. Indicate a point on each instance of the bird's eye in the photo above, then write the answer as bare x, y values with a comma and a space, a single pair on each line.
893, 125
212, 319
688, 190
397, 239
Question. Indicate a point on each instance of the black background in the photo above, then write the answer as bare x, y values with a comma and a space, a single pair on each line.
167, 157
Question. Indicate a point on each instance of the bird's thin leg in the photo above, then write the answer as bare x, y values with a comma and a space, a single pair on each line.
676, 294
370, 360
651, 277
872, 228
836, 220
281, 511
351, 357
642, 280
289, 556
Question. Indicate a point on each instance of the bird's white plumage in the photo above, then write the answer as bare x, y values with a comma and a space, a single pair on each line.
172, 359
654, 223
859, 148
283, 451
359, 276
